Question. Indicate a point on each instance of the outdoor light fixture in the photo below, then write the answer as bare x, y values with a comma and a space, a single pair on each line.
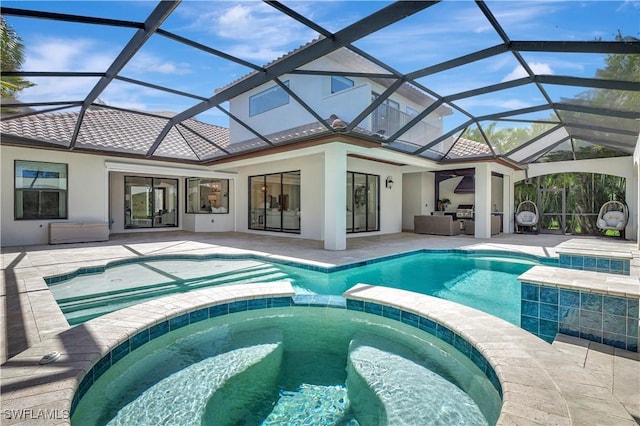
389, 182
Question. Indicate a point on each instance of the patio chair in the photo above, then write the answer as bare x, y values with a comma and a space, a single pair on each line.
526, 216
613, 216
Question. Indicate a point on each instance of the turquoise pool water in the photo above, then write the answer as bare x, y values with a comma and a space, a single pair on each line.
482, 281
279, 367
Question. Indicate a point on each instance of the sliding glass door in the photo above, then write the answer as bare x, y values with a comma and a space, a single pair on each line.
150, 202
274, 202
363, 206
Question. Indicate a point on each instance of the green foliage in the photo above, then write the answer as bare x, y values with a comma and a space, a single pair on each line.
12, 58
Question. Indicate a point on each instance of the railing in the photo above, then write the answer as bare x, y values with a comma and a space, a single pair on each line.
386, 121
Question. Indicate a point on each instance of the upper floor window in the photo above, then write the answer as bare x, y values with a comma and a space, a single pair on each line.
268, 99
40, 190
205, 195
339, 83
387, 102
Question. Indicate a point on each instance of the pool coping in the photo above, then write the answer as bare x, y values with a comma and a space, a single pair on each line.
536, 378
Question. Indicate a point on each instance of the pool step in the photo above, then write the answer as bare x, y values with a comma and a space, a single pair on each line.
311, 405
136, 294
388, 385
187, 397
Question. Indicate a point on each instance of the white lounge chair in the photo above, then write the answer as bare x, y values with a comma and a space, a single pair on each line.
526, 216
613, 216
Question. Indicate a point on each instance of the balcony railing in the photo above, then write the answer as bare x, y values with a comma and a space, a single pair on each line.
386, 121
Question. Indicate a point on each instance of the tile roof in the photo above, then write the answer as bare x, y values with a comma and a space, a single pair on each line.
120, 131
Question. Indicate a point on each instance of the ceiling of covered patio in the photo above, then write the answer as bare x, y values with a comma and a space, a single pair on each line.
520, 81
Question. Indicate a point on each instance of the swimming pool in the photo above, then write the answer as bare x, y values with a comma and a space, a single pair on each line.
276, 366
485, 281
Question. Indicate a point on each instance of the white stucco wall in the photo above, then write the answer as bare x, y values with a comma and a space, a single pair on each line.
418, 196
88, 193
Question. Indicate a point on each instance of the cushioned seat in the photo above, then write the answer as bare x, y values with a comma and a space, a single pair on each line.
436, 225
470, 227
612, 220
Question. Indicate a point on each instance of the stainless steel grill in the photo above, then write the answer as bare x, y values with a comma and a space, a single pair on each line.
464, 211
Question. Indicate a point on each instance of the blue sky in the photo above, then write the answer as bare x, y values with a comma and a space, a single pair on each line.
258, 33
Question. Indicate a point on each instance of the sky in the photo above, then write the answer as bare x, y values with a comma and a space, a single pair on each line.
258, 33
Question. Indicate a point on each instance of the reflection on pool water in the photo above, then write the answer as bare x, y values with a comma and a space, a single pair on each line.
296, 365
486, 283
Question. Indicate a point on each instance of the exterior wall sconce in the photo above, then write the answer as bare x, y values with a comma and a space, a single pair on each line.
389, 182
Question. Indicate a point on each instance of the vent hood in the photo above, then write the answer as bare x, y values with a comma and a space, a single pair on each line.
466, 186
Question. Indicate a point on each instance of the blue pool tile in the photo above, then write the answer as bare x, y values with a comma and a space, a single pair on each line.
493, 378
85, 384
120, 352
570, 330
591, 302
632, 344
632, 308
478, 359
427, 325
410, 318
199, 315
303, 299
570, 298
615, 340
569, 316
548, 312
530, 291
617, 266
626, 266
632, 327
337, 302
564, 261
591, 334
179, 321
591, 319
577, 262
158, 330
101, 366
373, 308
614, 305
614, 324
531, 309
530, 324
239, 306
279, 302
216, 311
590, 263
443, 333
139, 339
549, 295
602, 264
74, 402
548, 328
355, 305
257, 304
462, 345
390, 312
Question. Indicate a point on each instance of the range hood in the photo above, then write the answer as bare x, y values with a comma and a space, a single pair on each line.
466, 186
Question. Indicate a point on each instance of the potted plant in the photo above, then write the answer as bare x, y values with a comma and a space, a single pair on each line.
443, 203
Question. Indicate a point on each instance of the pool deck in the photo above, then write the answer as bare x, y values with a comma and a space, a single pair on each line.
30, 315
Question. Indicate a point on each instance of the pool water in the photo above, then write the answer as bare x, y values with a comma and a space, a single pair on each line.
279, 367
486, 283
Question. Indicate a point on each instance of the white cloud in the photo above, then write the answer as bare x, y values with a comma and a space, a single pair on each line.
148, 63
536, 67
67, 54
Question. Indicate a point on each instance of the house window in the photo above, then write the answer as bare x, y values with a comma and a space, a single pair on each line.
274, 202
207, 195
339, 83
40, 190
268, 99
363, 202
150, 202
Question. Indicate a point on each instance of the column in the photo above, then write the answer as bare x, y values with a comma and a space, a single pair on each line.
483, 201
335, 197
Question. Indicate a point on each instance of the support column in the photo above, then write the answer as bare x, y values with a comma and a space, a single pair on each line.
483, 201
507, 204
335, 197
